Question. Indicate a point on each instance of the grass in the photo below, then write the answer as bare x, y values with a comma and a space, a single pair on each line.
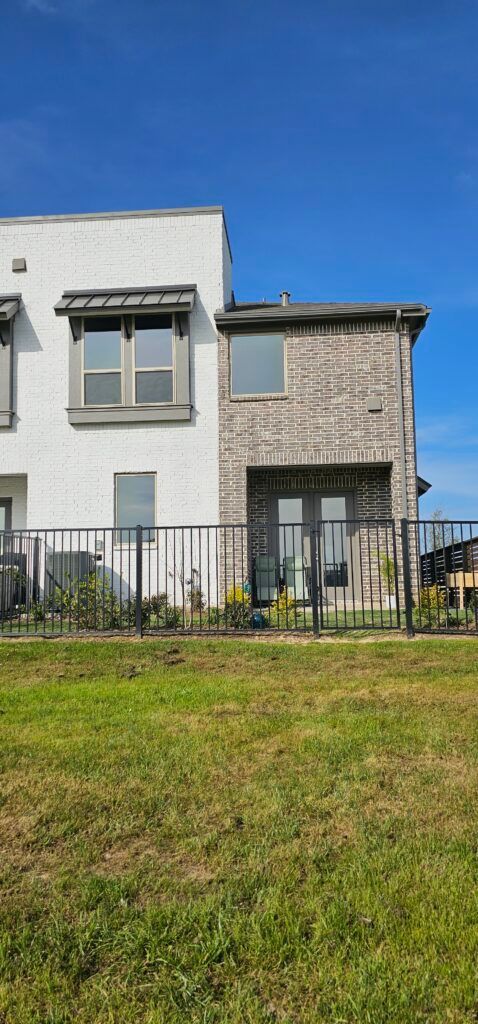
219, 832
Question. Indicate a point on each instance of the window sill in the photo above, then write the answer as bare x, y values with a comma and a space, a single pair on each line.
6, 418
129, 414
258, 398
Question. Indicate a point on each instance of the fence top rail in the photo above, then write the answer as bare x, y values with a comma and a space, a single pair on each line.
37, 531
442, 523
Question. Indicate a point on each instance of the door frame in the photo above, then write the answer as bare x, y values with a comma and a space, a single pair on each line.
312, 498
7, 503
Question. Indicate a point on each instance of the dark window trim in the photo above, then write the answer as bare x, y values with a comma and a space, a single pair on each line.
118, 543
254, 396
130, 411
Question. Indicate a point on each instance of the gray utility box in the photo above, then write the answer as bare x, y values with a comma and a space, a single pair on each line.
65, 569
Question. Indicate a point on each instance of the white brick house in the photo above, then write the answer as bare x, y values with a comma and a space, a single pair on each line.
62, 446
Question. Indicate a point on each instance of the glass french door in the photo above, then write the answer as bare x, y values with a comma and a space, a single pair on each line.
334, 511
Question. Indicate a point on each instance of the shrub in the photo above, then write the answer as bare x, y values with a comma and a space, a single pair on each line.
431, 609
91, 603
195, 598
283, 611
213, 616
237, 610
387, 570
157, 611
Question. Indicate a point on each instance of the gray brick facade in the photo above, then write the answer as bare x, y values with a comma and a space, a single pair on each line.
322, 434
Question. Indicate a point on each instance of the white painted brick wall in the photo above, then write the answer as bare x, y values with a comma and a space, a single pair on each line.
70, 470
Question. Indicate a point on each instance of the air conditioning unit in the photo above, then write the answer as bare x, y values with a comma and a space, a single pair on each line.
64, 569
13, 580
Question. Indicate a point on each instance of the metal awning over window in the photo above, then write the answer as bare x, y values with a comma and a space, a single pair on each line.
114, 301
9, 306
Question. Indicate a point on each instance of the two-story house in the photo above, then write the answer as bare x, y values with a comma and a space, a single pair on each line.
134, 388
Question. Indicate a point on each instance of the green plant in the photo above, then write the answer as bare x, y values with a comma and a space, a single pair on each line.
283, 610
157, 611
431, 607
387, 570
195, 598
91, 603
213, 616
237, 609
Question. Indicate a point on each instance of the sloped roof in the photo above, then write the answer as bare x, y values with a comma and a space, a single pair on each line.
152, 299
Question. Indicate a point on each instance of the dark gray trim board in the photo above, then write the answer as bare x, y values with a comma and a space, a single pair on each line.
298, 312
129, 414
9, 306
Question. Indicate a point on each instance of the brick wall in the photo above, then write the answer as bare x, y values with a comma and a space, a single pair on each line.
371, 485
324, 421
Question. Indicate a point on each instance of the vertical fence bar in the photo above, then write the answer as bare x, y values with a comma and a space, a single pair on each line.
314, 587
139, 581
395, 573
407, 579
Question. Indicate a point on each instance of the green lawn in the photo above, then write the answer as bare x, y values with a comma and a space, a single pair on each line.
225, 831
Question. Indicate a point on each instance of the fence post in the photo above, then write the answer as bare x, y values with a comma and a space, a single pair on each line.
139, 581
407, 579
314, 588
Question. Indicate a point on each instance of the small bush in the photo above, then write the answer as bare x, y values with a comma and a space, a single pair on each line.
431, 608
284, 605
157, 611
91, 603
237, 610
195, 598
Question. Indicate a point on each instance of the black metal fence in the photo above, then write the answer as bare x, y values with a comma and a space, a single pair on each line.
444, 561
306, 577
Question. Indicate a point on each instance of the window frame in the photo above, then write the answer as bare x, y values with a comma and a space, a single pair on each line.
85, 373
258, 395
118, 543
130, 411
154, 369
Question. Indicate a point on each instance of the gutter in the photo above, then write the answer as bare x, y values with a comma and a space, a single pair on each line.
401, 418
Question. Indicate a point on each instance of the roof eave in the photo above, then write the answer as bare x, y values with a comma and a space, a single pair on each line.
422, 486
287, 315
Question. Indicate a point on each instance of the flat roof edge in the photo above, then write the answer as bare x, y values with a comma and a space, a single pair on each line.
177, 211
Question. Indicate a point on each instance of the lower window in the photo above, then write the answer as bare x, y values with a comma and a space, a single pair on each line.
135, 505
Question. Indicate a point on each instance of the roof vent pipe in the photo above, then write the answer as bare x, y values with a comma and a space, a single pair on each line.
284, 297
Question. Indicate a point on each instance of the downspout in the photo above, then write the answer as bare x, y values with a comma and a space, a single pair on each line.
401, 418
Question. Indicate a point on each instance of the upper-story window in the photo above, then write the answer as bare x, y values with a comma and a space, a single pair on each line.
106, 380
257, 365
103, 361
153, 359
129, 354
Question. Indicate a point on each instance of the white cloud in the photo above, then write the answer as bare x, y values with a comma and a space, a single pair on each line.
60, 8
41, 6
448, 458
452, 431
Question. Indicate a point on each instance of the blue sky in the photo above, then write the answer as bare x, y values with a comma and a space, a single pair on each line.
341, 137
